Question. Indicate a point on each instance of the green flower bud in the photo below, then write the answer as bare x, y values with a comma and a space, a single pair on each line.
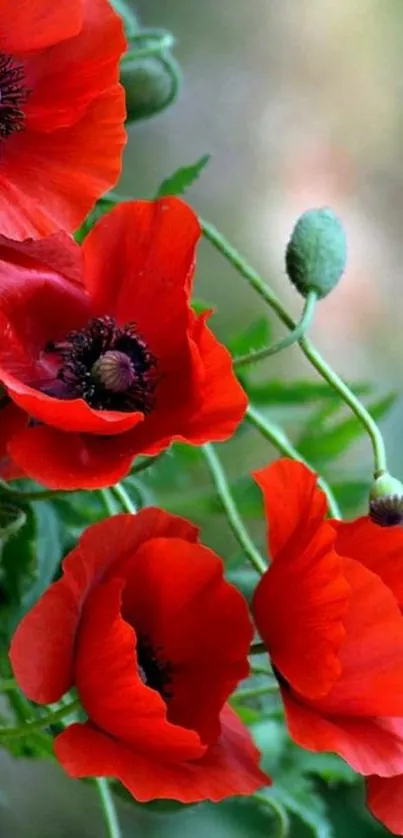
386, 501
151, 84
317, 252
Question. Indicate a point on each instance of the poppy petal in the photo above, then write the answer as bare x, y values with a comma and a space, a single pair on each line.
369, 745
58, 254
51, 180
42, 649
299, 608
380, 549
231, 767
372, 656
38, 24
79, 69
294, 505
221, 400
72, 415
178, 599
385, 801
139, 265
62, 460
111, 689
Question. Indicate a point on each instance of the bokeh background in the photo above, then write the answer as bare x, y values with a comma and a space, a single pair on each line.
300, 103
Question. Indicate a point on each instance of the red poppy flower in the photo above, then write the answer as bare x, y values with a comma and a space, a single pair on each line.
328, 610
100, 348
11, 418
61, 112
154, 639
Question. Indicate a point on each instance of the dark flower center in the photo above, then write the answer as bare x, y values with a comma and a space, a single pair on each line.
13, 95
153, 671
109, 367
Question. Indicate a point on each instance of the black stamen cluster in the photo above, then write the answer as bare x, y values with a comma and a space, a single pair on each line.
13, 95
80, 352
154, 672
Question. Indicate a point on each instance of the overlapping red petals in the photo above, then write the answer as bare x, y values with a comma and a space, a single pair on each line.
329, 612
136, 265
145, 582
69, 151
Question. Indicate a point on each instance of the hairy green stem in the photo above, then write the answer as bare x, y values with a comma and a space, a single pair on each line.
108, 807
234, 520
280, 441
242, 266
293, 337
39, 724
120, 492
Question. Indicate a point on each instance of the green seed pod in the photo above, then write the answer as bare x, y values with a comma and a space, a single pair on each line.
317, 252
386, 501
151, 84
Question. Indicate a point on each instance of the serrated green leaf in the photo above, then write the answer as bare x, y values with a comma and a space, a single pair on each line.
183, 178
320, 446
12, 518
298, 795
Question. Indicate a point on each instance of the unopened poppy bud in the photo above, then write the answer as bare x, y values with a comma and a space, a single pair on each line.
150, 86
386, 501
316, 254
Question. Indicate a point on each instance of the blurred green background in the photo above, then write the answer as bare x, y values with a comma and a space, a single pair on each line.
300, 104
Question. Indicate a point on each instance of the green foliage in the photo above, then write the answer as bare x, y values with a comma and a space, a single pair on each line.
334, 440
183, 178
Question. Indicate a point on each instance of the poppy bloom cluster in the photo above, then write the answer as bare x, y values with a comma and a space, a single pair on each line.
61, 112
101, 354
153, 638
329, 610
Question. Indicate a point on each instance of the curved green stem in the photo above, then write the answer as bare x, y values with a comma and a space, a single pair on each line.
282, 817
120, 492
280, 441
108, 807
352, 401
155, 41
224, 494
128, 16
242, 266
293, 337
109, 501
39, 724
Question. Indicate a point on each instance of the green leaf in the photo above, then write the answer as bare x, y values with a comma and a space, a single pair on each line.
351, 494
327, 444
255, 336
17, 567
328, 767
49, 551
278, 392
183, 178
